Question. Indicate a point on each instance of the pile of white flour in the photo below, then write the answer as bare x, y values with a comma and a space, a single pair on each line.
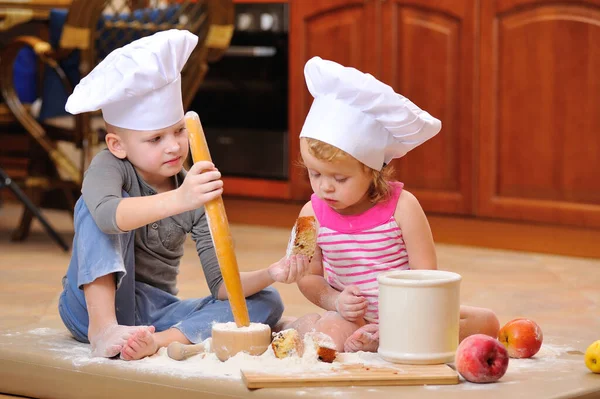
551, 358
207, 364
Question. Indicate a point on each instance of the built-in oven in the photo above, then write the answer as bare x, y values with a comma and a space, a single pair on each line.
243, 101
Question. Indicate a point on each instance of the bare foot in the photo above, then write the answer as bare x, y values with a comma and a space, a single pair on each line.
364, 339
110, 340
140, 345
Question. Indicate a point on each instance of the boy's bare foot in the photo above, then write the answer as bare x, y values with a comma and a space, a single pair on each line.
140, 345
364, 339
110, 340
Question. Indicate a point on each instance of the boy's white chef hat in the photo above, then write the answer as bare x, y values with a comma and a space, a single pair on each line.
138, 86
362, 116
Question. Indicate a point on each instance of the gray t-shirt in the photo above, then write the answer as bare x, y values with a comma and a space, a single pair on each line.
159, 245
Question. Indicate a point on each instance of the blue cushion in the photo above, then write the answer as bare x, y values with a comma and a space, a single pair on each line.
54, 94
25, 75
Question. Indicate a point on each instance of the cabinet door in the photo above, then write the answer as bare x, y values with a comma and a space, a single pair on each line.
429, 56
540, 121
338, 30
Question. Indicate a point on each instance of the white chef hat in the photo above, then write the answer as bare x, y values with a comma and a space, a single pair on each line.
138, 86
362, 116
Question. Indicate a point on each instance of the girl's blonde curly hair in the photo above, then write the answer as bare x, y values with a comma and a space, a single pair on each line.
380, 189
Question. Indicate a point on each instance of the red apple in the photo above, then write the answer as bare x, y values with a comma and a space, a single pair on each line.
481, 358
521, 337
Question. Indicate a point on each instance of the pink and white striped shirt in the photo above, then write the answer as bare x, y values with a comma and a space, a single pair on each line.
357, 248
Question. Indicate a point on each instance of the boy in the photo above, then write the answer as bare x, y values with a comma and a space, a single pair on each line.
137, 206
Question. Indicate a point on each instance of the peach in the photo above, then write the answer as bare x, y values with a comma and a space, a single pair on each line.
481, 358
521, 337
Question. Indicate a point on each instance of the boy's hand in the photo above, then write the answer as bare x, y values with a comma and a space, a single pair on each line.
202, 184
350, 305
289, 269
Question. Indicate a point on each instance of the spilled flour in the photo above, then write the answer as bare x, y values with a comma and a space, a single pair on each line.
559, 361
207, 365
555, 359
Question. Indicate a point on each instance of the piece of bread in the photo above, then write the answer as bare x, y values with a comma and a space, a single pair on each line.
303, 239
326, 355
324, 346
287, 343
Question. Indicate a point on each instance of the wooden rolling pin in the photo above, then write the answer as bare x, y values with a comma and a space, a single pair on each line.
219, 228
179, 351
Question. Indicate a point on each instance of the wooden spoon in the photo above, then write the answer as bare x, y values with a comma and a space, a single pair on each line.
179, 351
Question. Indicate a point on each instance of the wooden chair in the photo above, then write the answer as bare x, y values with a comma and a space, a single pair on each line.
90, 29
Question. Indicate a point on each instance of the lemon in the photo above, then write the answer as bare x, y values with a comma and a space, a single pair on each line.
592, 357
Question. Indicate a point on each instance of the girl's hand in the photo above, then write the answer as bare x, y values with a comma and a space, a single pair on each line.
289, 269
201, 185
350, 305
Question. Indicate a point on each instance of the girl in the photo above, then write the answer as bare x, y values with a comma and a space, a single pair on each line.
367, 222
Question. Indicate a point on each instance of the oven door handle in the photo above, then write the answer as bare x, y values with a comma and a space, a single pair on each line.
250, 51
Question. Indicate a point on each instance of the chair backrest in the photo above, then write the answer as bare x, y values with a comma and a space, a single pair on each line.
96, 27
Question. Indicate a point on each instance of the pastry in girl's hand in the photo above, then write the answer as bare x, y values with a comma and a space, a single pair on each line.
303, 239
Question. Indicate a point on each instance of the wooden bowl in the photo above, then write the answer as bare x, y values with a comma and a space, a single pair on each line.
228, 339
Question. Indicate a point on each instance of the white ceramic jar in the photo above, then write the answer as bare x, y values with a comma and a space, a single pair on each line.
419, 313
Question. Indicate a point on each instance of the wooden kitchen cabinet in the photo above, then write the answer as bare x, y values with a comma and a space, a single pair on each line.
427, 54
425, 50
340, 30
539, 123
515, 83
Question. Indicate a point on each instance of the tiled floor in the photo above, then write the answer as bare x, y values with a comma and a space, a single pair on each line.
561, 293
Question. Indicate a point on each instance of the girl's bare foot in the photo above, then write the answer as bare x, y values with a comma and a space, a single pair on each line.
110, 340
364, 339
140, 345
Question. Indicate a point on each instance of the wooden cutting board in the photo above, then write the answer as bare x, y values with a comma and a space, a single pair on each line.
355, 374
